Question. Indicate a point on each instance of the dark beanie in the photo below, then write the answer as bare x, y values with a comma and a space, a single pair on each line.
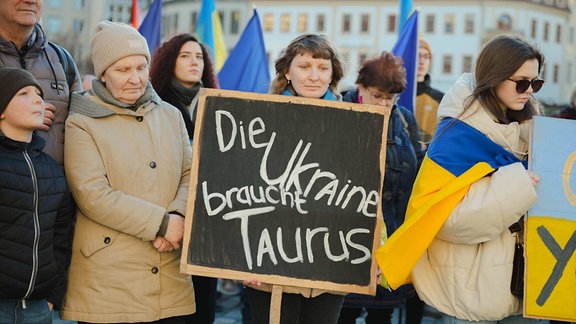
11, 81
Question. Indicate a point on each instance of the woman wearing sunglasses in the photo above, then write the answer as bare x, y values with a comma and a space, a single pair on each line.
482, 141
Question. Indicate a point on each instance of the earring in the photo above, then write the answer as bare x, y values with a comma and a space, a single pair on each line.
288, 81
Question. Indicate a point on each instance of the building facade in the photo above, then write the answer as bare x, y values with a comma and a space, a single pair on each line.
361, 29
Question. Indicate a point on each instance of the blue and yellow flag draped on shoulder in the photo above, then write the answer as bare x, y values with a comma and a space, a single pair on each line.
458, 156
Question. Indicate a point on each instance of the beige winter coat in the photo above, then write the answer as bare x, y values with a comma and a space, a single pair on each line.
466, 271
126, 169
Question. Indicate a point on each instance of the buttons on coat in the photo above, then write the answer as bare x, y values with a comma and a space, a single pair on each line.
154, 270
139, 118
153, 165
107, 240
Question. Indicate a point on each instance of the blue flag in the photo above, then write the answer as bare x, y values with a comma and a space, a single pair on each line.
405, 11
407, 48
246, 68
151, 27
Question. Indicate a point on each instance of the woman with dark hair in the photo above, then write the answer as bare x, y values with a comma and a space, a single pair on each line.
179, 68
309, 67
379, 81
472, 191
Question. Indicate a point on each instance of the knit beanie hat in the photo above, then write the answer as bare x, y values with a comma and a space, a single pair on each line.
424, 44
113, 41
11, 81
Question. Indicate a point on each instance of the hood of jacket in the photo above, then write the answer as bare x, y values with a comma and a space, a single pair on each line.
514, 137
34, 46
99, 102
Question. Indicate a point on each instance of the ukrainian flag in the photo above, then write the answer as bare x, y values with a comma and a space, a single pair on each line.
458, 156
209, 32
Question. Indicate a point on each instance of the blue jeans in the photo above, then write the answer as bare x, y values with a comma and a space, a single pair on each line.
36, 312
512, 319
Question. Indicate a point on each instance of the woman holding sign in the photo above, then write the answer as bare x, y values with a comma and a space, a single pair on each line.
380, 80
128, 160
472, 188
309, 67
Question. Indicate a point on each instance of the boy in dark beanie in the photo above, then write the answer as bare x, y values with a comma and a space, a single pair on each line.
35, 207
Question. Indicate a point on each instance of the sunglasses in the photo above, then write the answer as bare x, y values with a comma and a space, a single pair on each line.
522, 85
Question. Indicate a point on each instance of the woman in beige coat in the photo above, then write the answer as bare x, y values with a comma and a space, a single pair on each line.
128, 164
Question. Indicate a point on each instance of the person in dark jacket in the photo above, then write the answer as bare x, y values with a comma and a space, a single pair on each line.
179, 68
570, 111
35, 207
380, 80
427, 98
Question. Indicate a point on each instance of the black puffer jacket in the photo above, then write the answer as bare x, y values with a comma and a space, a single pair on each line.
404, 154
35, 222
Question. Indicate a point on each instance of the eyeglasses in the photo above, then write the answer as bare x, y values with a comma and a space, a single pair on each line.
424, 57
522, 85
390, 99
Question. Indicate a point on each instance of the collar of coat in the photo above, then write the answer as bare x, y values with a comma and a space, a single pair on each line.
99, 102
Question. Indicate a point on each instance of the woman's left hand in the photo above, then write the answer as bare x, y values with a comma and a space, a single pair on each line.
162, 245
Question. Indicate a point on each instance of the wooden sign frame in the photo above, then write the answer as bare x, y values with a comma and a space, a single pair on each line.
366, 111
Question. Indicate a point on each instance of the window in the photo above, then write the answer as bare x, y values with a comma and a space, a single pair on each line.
365, 23
466, 63
302, 22
79, 4
54, 3
534, 28
449, 22
194, 21
346, 22
430, 23
362, 58
320, 23
558, 34
447, 64
285, 23
546, 30
391, 27
268, 22
235, 22
53, 25
77, 26
556, 74
504, 22
221, 16
469, 24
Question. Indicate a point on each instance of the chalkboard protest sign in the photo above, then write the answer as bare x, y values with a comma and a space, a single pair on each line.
286, 190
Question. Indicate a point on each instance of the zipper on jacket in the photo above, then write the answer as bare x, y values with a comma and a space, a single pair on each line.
36, 230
